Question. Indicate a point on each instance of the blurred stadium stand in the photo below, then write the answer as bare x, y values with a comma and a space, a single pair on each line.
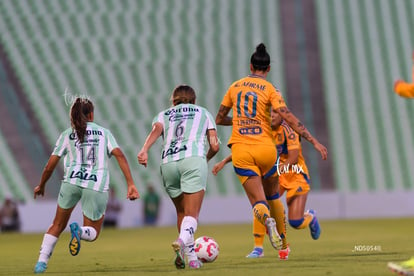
365, 46
128, 55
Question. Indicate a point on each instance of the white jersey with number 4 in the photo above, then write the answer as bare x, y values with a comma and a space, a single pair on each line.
86, 164
185, 131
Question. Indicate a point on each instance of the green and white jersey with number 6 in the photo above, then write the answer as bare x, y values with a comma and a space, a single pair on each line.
185, 131
86, 164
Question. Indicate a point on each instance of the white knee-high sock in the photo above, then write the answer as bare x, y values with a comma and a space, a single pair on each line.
88, 233
46, 249
188, 228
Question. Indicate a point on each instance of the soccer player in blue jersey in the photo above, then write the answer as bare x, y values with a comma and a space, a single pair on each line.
186, 129
86, 147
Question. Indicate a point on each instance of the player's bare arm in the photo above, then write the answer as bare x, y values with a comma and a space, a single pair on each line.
213, 142
222, 118
155, 133
123, 164
39, 190
300, 128
294, 122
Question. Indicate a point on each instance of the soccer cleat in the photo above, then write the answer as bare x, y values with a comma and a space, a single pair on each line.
195, 264
178, 247
74, 244
40, 267
284, 253
314, 226
403, 268
256, 253
274, 237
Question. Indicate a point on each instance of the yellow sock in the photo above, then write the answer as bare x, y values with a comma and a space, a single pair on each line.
307, 218
261, 211
277, 211
259, 232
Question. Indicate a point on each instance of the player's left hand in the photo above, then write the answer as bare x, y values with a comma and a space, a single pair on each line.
322, 150
132, 193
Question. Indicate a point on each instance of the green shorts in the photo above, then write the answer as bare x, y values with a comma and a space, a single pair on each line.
188, 175
93, 202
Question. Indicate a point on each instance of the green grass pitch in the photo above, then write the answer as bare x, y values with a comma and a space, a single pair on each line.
346, 247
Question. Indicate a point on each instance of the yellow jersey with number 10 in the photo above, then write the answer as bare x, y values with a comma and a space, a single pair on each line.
251, 99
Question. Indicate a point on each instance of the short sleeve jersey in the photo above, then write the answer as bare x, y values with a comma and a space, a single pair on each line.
184, 131
405, 89
86, 164
251, 99
287, 139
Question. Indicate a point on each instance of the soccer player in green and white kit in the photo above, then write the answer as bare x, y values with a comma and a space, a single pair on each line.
86, 148
186, 129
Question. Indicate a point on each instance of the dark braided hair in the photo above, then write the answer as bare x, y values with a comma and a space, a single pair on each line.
79, 111
183, 94
260, 59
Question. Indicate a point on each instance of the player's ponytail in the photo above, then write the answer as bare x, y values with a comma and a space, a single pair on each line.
79, 111
183, 94
260, 59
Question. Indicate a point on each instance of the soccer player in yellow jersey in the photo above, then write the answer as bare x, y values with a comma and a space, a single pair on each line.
254, 154
294, 178
405, 89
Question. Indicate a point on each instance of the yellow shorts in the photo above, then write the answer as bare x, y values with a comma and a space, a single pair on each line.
294, 183
254, 160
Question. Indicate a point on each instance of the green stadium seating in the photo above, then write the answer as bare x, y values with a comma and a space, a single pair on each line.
129, 55
11, 181
371, 128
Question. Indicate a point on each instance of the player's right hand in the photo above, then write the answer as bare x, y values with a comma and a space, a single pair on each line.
218, 167
38, 191
143, 158
322, 150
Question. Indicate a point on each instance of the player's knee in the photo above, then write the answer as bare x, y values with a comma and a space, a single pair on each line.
273, 197
295, 223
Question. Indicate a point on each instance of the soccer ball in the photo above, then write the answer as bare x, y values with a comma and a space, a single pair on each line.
207, 249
